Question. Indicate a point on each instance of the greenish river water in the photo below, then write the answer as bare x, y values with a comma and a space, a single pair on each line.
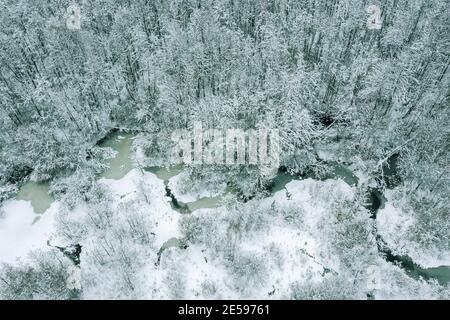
122, 163
38, 193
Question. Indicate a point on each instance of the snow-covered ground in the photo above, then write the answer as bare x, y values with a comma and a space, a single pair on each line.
22, 230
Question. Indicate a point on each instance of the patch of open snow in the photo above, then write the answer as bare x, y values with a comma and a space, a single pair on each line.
22, 230
201, 268
432, 258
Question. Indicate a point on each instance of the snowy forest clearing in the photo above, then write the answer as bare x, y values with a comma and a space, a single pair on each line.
22, 230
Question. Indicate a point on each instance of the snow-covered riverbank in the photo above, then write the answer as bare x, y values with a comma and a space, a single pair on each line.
394, 224
307, 236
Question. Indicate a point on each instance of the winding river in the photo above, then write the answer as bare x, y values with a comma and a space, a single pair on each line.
40, 198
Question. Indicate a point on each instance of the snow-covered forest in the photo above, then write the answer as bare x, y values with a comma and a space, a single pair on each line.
93, 205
